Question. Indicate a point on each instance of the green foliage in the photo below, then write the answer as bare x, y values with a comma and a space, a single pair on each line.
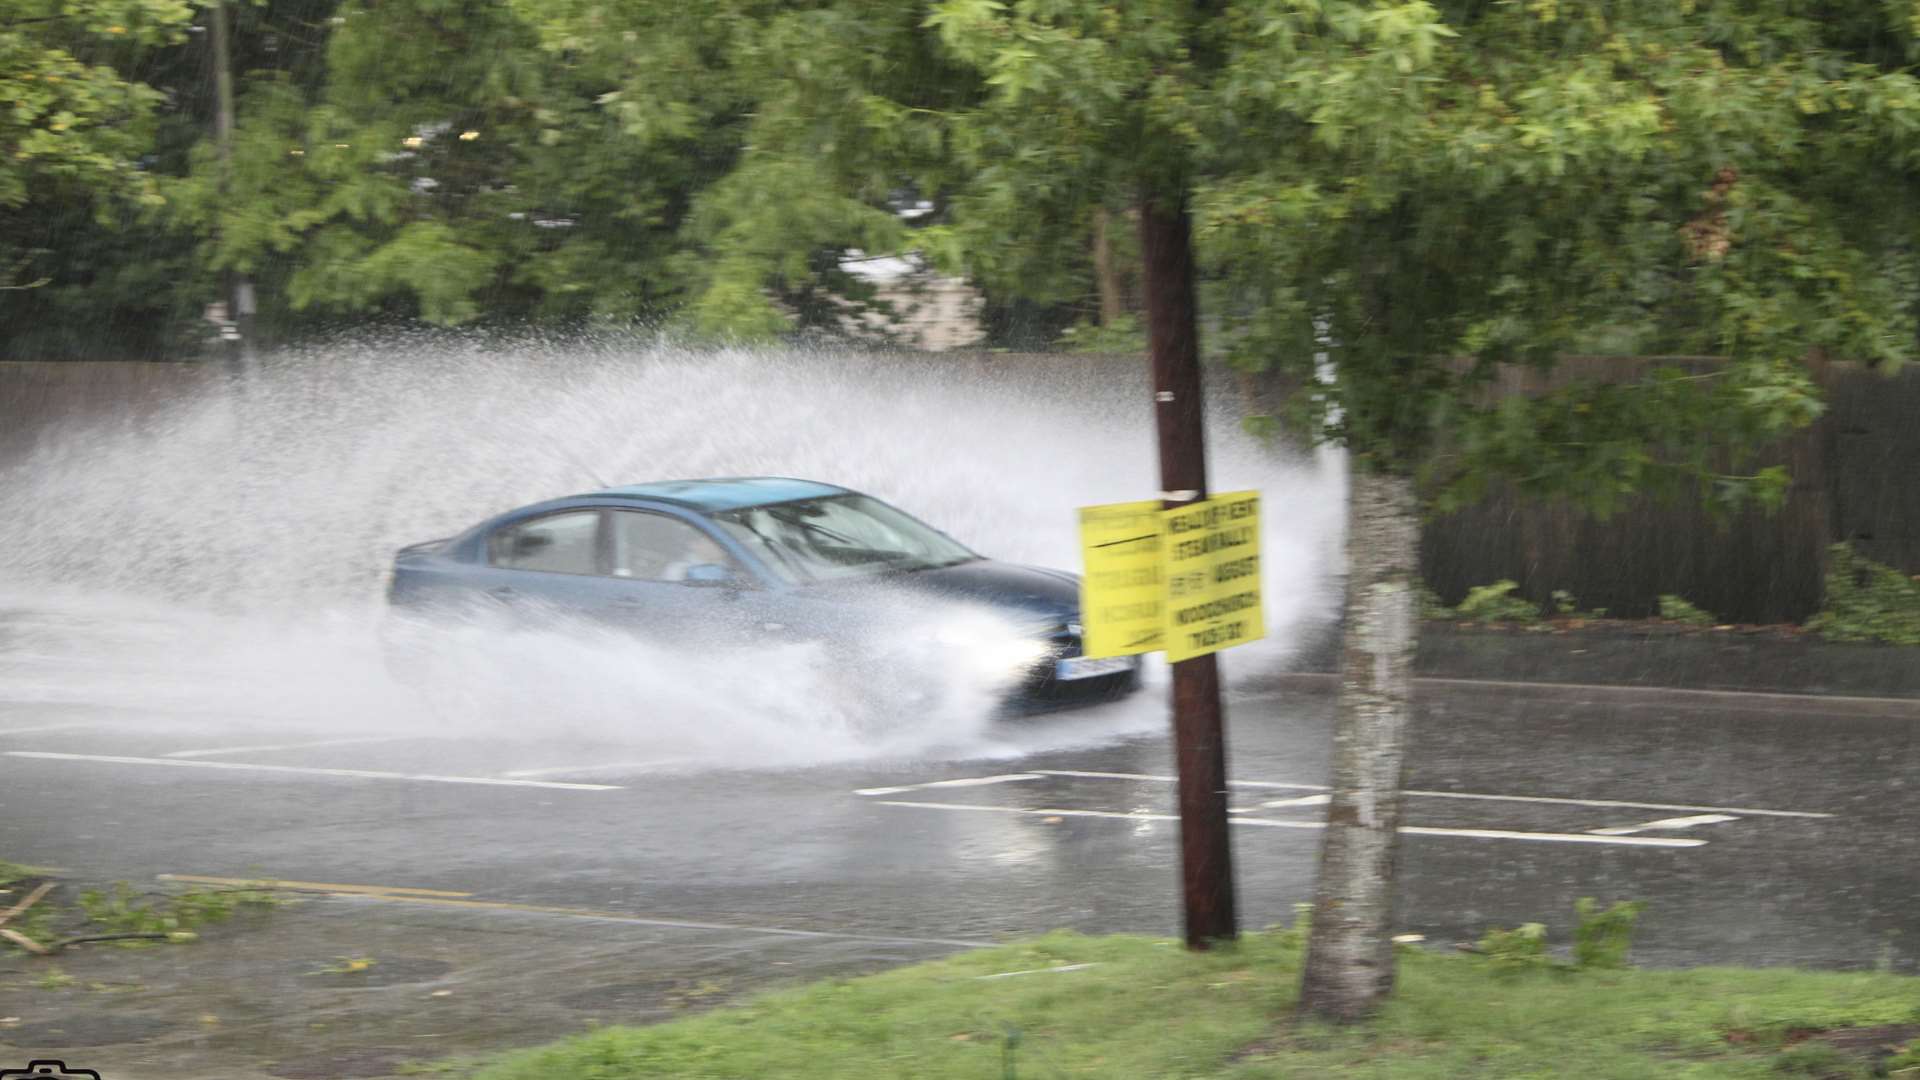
1432, 607
1564, 603
119, 910
1523, 948
1867, 601
75, 117
1123, 335
1496, 603
80, 114
806, 122
1520, 188
37, 925
447, 168
1675, 609
1601, 939
1390, 186
11, 872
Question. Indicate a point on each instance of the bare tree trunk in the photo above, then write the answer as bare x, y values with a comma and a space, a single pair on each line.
1349, 966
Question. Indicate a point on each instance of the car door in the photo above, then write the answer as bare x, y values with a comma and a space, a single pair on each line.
547, 568
674, 580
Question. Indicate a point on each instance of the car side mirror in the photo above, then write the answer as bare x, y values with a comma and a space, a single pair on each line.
711, 575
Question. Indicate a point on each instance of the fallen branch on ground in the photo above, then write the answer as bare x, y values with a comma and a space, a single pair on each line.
59, 945
15, 936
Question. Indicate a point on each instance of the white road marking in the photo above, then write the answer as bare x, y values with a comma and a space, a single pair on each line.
289, 746
1275, 804
967, 781
357, 774
1748, 811
619, 766
1665, 823
1550, 800
1123, 816
1272, 823
1563, 838
43, 727
1173, 779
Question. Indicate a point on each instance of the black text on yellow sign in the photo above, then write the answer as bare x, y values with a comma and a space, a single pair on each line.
1122, 595
1212, 575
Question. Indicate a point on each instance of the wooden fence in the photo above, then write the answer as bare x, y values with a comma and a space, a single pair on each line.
1856, 479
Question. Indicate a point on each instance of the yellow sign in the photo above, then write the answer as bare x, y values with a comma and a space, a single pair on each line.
1213, 575
1122, 595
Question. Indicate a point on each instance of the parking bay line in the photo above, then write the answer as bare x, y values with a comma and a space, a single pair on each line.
1411, 830
355, 774
1321, 799
1546, 799
618, 766
290, 746
965, 781
1665, 823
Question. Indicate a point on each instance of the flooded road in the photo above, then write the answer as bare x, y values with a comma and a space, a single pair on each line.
509, 890
1752, 838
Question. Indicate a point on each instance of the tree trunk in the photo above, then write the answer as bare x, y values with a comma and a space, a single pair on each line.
237, 288
1199, 735
1349, 966
1112, 301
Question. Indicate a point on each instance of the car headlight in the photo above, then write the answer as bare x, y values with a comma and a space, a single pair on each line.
991, 644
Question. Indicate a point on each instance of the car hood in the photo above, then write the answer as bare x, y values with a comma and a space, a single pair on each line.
1028, 593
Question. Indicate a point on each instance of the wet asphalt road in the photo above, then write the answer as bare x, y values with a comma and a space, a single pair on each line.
1768, 830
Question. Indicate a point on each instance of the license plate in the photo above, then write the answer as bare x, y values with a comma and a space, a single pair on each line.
1081, 667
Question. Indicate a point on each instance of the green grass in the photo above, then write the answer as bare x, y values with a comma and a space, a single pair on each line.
1149, 1009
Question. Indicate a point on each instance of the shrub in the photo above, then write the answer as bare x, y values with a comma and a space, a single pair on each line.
1675, 609
1867, 601
1431, 606
1523, 948
1496, 603
1601, 938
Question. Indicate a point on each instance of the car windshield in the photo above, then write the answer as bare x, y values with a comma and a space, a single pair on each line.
841, 536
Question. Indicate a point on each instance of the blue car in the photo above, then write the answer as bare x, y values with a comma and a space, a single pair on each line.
714, 563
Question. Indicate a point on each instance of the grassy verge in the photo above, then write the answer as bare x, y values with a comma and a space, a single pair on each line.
1146, 1008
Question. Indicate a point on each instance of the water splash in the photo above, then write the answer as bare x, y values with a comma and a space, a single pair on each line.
226, 558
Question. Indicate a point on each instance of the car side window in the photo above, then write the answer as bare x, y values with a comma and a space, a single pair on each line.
558, 543
655, 547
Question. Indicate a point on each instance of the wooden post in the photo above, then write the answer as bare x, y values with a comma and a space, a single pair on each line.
1200, 748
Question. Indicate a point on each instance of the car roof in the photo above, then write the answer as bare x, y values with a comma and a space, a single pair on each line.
726, 493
